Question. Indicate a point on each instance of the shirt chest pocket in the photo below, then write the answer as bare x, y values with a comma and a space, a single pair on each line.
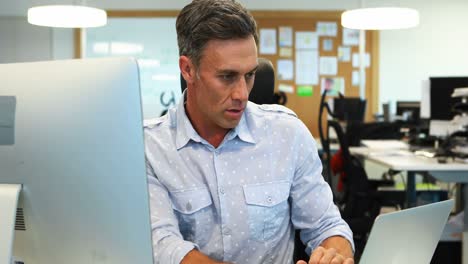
194, 214
267, 207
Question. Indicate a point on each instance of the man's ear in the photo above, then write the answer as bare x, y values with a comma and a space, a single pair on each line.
187, 69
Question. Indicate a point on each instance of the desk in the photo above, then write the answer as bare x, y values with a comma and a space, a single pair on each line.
401, 160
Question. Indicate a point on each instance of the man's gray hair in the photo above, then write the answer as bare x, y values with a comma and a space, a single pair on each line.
205, 20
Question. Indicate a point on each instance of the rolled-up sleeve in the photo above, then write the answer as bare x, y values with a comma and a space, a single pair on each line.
169, 247
313, 210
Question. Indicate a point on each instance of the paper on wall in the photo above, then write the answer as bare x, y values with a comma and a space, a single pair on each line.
285, 88
285, 52
306, 40
267, 41
344, 54
327, 29
285, 36
306, 67
285, 69
355, 78
350, 37
334, 85
327, 44
328, 65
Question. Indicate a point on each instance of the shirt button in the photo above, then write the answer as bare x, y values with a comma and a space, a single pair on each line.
221, 190
269, 199
227, 232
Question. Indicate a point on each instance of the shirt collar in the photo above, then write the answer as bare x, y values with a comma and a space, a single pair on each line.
242, 129
184, 128
186, 132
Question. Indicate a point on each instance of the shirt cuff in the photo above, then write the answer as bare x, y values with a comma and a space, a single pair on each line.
336, 232
178, 252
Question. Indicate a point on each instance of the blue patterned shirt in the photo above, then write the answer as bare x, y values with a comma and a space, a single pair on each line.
239, 202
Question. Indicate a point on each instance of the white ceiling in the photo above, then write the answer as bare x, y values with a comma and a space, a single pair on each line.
20, 7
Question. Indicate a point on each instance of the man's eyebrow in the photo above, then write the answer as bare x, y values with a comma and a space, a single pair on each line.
227, 71
254, 69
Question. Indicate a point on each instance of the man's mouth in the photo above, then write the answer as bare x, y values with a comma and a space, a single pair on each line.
235, 113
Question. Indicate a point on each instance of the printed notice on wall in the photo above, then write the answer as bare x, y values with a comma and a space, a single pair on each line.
285, 69
306, 40
327, 29
306, 67
285, 36
334, 86
328, 65
327, 44
285, 52
285, 88
344, 54
267, 41
350, 37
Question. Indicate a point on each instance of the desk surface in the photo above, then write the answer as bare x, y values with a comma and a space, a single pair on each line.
404, 160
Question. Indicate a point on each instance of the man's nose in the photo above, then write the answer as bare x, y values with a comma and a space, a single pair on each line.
241, 91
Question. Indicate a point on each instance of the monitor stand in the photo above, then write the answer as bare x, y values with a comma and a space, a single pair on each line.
9, 194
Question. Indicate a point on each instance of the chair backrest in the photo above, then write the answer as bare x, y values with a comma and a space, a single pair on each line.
264, 84
356, 181
349, 108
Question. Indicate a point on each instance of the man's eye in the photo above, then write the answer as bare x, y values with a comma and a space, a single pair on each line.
250, 75
227, 77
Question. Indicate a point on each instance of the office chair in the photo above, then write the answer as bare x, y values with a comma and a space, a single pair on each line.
263, 91
359, 201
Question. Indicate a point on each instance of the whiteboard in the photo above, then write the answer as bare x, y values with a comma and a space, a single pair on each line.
153, 42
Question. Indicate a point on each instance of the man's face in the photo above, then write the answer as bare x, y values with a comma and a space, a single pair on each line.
222, 84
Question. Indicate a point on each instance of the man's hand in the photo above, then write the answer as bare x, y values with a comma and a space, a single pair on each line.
196, 257
330, 255
333, 250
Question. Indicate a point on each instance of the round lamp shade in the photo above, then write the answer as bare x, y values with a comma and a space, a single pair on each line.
67, 16
380, 18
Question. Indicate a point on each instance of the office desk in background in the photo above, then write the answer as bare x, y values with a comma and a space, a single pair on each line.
403, 160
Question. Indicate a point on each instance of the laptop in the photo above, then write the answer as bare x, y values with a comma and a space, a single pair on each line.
407, 236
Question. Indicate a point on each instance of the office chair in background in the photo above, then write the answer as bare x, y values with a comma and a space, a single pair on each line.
357, 196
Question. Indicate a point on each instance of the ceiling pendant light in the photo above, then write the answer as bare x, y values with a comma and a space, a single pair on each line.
67, 16
380, 18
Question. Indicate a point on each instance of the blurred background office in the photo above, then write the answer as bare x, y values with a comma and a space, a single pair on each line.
437, 47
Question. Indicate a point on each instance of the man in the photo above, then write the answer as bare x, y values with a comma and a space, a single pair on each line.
229, 180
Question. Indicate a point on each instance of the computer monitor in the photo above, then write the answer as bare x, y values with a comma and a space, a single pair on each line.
72, 135
408, 110
349, 108
441, 101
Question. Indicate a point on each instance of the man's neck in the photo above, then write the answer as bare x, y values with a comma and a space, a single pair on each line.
213, 134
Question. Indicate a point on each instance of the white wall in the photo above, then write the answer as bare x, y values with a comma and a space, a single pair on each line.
23, 42
438, 47
20, 41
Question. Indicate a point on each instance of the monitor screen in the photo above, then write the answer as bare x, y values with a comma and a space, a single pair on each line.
441, 101
408, 110
349, 108
72, 135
